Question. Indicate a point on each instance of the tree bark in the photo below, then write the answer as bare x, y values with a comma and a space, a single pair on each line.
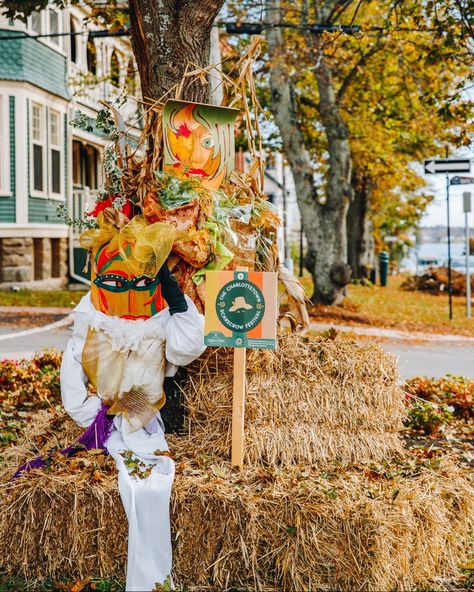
360, 242
168, 37
324, 224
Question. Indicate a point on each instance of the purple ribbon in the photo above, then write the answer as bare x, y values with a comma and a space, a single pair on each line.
95, 436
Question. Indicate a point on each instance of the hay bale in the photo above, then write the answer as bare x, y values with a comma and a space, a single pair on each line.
299, 531
297, 528
308, 512
308, 402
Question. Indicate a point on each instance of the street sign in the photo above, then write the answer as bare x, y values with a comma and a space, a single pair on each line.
466, 202
462, 180
241, 309
447, 165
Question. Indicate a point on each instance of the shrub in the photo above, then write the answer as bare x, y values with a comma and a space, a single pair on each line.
455, 391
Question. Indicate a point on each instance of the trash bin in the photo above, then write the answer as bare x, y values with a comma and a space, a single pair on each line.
384, 258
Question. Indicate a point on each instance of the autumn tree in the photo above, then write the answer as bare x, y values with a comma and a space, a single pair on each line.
324, 221
354, 110
404, 107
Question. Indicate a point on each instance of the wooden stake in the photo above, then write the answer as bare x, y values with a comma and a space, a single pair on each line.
238, 403
238, 407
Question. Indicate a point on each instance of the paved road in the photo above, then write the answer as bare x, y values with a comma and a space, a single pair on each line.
26, 346
433, 360
415, 359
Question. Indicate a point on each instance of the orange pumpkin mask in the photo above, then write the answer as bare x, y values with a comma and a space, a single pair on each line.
116, 291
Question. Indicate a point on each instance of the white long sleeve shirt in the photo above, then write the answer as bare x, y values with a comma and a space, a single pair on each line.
184, 334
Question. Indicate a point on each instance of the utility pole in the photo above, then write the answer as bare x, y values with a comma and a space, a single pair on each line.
450, 285
466, 199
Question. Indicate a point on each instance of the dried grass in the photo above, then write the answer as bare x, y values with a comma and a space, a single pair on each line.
286, 532
288, 526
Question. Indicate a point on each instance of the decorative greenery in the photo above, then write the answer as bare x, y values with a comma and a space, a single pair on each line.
112, 172
173, 192
79, 223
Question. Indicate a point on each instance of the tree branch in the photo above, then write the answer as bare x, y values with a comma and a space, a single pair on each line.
353, 71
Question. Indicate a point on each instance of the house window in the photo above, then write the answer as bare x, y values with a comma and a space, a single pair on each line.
73, 41
85, 165
2, 149
55, 150
91, 57
90, 167
4, 146
131, 78
35, 22
54, 26
76, 163
38, 141
115, 69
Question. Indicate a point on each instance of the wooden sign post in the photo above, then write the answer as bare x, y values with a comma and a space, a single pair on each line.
241, 312
238, 407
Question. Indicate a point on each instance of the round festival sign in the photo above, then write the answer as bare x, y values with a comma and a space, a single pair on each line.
240, 305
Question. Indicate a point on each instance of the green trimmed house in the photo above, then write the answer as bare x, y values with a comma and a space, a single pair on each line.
43, 160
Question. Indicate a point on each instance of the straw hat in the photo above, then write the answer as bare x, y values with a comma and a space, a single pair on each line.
238, 303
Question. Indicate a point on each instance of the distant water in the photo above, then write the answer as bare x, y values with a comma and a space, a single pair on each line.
438, 251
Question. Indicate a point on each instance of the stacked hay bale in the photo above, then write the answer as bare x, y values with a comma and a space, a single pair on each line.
327, 498
309, 402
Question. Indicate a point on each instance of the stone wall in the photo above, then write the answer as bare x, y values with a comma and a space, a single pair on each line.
28, 262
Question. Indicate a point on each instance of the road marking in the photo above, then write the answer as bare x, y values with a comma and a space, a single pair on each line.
51, 327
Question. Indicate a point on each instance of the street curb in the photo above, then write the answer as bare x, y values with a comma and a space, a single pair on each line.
393, 333
50, 327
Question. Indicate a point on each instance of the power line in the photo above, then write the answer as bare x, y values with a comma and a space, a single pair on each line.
234, 28
90, 34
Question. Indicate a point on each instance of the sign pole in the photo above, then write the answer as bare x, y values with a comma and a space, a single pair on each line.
238, 407
450, 287
238, 403
467, 208
449, 166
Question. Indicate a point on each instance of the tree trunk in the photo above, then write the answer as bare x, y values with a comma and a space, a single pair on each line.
360, 242
324, 224
168, 37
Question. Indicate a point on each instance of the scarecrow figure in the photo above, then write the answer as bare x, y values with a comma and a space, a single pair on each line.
125, 341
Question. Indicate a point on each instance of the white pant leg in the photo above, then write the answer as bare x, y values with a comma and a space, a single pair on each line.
146, 503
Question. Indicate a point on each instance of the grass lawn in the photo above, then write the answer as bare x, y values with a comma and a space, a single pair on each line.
396, 308
61, 298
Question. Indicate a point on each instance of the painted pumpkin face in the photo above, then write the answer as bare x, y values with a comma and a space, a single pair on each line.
199, 142
117, 292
